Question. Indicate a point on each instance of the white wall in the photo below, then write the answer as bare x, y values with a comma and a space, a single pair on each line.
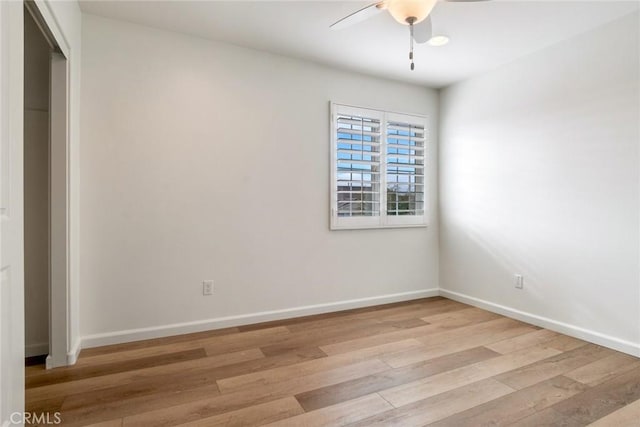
539, 175
202, 160
36, 189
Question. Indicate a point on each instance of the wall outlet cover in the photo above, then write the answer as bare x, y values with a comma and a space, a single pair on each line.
519, 281
207, 287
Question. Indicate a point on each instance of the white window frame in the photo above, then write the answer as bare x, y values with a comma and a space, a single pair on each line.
383, 220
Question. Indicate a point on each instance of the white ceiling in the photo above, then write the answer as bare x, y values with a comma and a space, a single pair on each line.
483, 35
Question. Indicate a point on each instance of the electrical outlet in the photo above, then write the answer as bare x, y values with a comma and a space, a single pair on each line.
519, 281
207, 287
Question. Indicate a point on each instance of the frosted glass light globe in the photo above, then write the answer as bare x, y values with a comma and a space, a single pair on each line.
403, 9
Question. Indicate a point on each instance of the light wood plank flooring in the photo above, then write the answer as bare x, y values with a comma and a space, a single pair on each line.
431, 362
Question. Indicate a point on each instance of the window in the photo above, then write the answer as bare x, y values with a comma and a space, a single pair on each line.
377, 168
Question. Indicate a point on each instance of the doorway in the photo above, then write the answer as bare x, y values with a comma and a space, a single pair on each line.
36, 192
46, 193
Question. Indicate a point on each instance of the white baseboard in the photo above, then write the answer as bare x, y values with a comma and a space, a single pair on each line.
36, 349
118, 337
72, 355
544, 322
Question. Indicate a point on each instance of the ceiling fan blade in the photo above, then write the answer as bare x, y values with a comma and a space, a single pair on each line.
423, 31
358, 16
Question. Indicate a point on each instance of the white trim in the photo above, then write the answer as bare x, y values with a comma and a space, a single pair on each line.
49, 16
376, 227
118, 337
12, 344
72, 355
554, 325
60, 298
37, 349
59, 294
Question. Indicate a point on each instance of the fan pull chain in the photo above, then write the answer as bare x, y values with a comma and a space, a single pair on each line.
411, 20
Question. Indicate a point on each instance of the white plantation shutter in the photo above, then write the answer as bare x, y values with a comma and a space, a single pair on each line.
405, 169
377, 168
357, 167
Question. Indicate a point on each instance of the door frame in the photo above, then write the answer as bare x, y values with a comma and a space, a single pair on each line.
11, 210
59, 207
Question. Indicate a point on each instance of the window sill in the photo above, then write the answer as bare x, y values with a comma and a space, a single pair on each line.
334, 227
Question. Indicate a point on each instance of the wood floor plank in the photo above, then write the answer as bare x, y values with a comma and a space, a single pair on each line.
603, 399
305, 368
553, 366
548, 418
115, 348
234, 358
432, 304
447, 342
406, 323
523, 341
110, 423
257, 415
439, 406
332, 335
459, 318
397, 314
375, 340
426, 334
140, 353
34, 370
216, 344
430, 335
422, 389
193, 366
255, 395
182, 377
604, 369
161, 385
338, 415
137, 353
54, 404
118, 409
245, 340
626, 416
566, 343
77, 373
416, 312
485, 328
348, 390
515, 406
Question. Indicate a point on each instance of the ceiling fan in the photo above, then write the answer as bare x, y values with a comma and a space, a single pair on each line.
414, 13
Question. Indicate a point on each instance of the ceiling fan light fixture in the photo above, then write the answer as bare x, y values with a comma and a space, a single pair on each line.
403, 10
438, 41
